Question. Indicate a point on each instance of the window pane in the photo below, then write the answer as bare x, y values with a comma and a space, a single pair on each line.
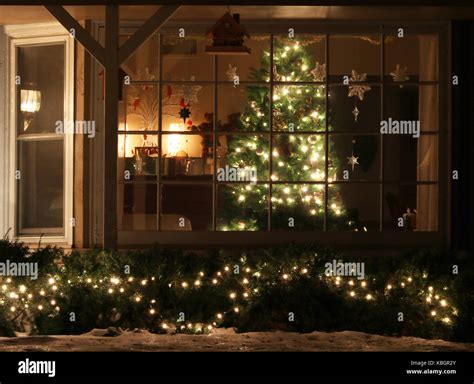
138, 203
41, 93
413, 57
184, 58
243, 158
298, 157
298, 207
350, 113
243, 108
187, 156
41, 196
242, 207
365, 150
143, 64
299, 59
354, 207
186, 207
138, 157
354, 53
410, 207
299, 108
188, 107
410, 159
405, 105
253, 67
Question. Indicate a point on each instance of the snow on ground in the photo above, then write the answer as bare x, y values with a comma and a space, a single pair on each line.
227, 340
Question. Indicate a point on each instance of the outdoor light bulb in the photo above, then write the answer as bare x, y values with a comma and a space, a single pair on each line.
40, 307
197, 283
111, 290
137, 299
22, 289
368, 297
304, 270
219, 315
410, 279
443, 303
304, 67
89, 280
233, 295
245, 281
313, 211
428, 299
351, 282
42, 292
236, 309
226, 269
164, 326
304, 149
352, 293
55, 288
184, 284
446, 319
50, 281
121, 290
53, 302
13, 309
363, 284
285, 276
152, 311
214, 281
402, 285
389, 287
143, 282
433, 313
430, 289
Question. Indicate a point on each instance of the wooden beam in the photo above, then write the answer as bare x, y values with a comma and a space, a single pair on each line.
154, 23
111, 126
80, 34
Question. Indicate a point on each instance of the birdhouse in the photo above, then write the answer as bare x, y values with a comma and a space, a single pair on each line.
228, 36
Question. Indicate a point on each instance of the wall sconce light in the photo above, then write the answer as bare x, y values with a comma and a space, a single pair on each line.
30, 103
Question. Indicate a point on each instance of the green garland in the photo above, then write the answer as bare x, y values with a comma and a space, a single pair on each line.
171, 290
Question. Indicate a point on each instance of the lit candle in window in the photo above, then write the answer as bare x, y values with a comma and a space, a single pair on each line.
174, 141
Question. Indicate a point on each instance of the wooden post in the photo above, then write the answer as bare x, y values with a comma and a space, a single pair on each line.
111, 125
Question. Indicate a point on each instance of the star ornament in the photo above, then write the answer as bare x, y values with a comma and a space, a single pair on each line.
399, 74
359, 89
352, 161
319, 72
189, 92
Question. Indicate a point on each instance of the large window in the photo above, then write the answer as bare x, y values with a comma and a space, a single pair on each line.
317, 132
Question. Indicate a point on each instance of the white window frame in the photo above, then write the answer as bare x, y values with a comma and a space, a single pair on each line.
27, 35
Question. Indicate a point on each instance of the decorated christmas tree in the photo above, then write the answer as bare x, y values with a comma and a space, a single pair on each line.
298, 160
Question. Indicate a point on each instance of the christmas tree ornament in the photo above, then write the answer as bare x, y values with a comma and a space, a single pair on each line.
357, 91
319, 72
189, 92
399, 74
312, 139
276, 75
259, 151
355, 112
184, 111
353, 160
